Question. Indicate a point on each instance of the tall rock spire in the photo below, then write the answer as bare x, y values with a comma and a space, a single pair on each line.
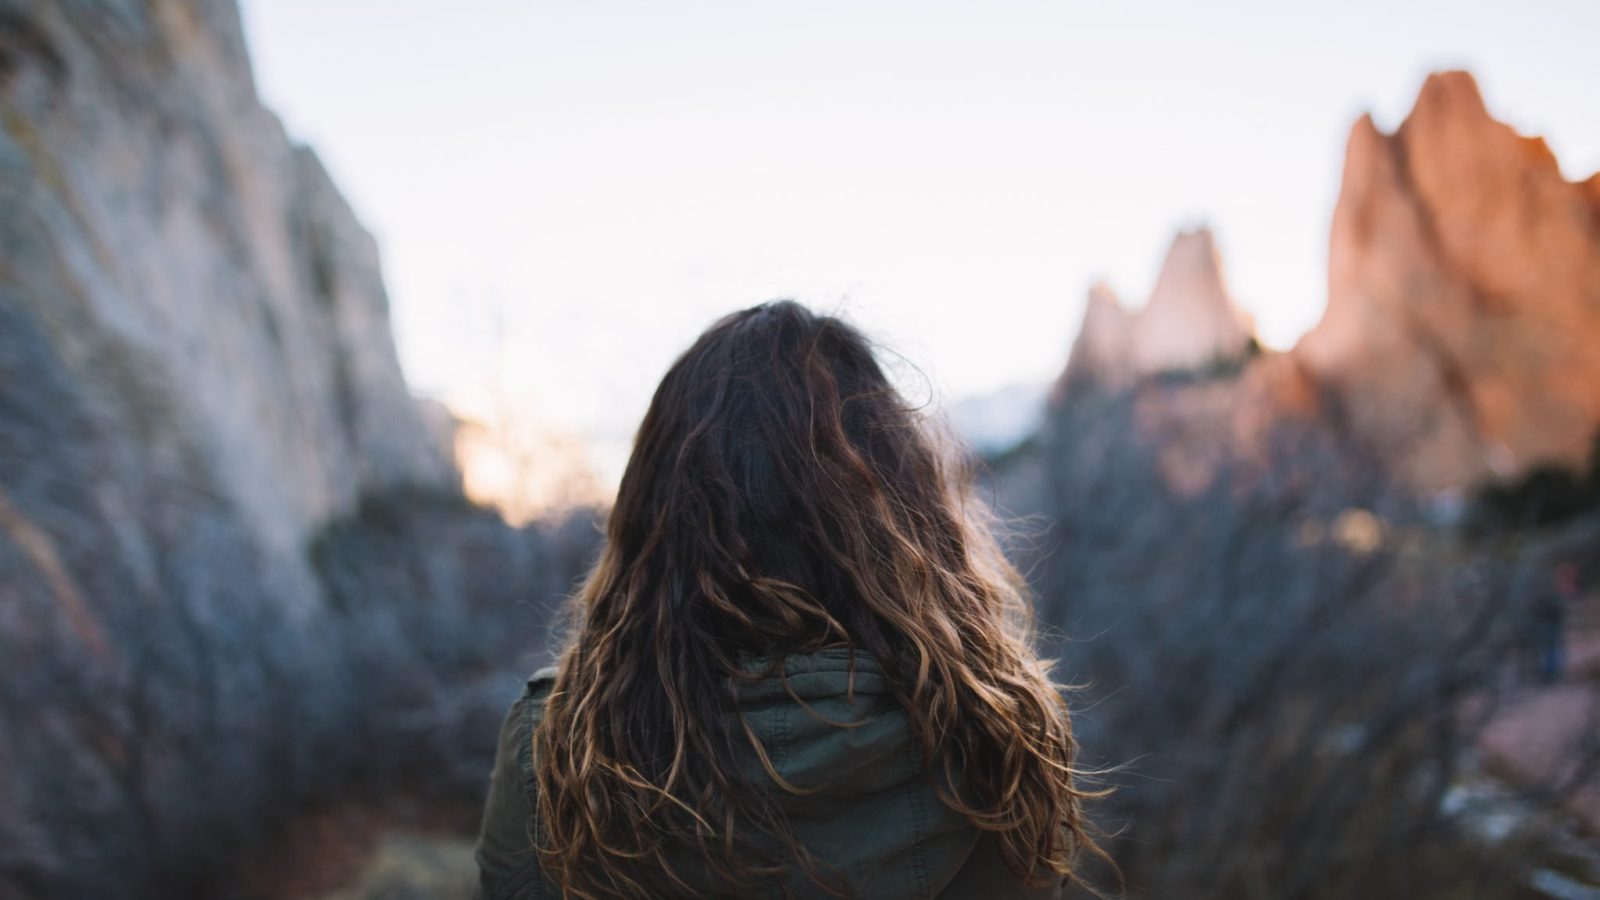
1190, 321
1102, 348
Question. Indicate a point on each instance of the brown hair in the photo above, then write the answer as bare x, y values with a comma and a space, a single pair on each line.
783, 497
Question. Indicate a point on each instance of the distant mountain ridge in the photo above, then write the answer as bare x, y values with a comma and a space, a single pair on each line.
996, 421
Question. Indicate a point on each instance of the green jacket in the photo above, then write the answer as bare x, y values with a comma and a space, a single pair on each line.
876, 818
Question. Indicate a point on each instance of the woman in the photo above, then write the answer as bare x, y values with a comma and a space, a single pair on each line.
800, 666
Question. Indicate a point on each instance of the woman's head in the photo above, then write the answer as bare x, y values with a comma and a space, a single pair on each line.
783, 497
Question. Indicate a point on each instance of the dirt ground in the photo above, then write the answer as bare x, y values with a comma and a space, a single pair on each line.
1544, 733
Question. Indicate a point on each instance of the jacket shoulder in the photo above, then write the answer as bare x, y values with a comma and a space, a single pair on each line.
508, 867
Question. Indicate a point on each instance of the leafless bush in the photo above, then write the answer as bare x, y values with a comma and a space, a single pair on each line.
192, 713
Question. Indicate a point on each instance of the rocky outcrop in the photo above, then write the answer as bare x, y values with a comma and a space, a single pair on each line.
193, 290
1459, 338
1103, 349
1190, 322
1463, 296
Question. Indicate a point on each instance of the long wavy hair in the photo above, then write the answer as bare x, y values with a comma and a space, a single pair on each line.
782, 497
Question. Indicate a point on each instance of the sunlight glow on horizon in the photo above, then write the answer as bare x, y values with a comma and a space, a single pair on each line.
575, 191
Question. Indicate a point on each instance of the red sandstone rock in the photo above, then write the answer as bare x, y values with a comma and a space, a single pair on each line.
1462, 334
1463, 296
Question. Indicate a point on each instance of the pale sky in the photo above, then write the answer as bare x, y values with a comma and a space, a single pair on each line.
565, 193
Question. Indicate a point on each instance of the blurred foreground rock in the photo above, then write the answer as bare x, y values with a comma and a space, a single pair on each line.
190, 285
238, 578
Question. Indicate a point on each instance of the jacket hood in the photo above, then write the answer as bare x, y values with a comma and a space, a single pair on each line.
832, 728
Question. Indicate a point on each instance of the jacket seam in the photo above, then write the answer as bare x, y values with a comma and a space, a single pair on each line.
780, 756
530, 873
920, 825
529, 784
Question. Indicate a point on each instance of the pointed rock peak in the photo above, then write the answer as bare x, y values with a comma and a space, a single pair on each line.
1103, 300
1364, 139
1196, 241
1453, 94
1365, 126
1191, 284
1450, 124
1192, 271
1101, 352
1190, 320
1368, 156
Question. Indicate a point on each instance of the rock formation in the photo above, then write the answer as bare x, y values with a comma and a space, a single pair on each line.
1189, 322
1463, 295
192, 293
1463, 314
234, 555
1103, 350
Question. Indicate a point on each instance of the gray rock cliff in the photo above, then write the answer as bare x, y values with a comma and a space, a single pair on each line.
204, 299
